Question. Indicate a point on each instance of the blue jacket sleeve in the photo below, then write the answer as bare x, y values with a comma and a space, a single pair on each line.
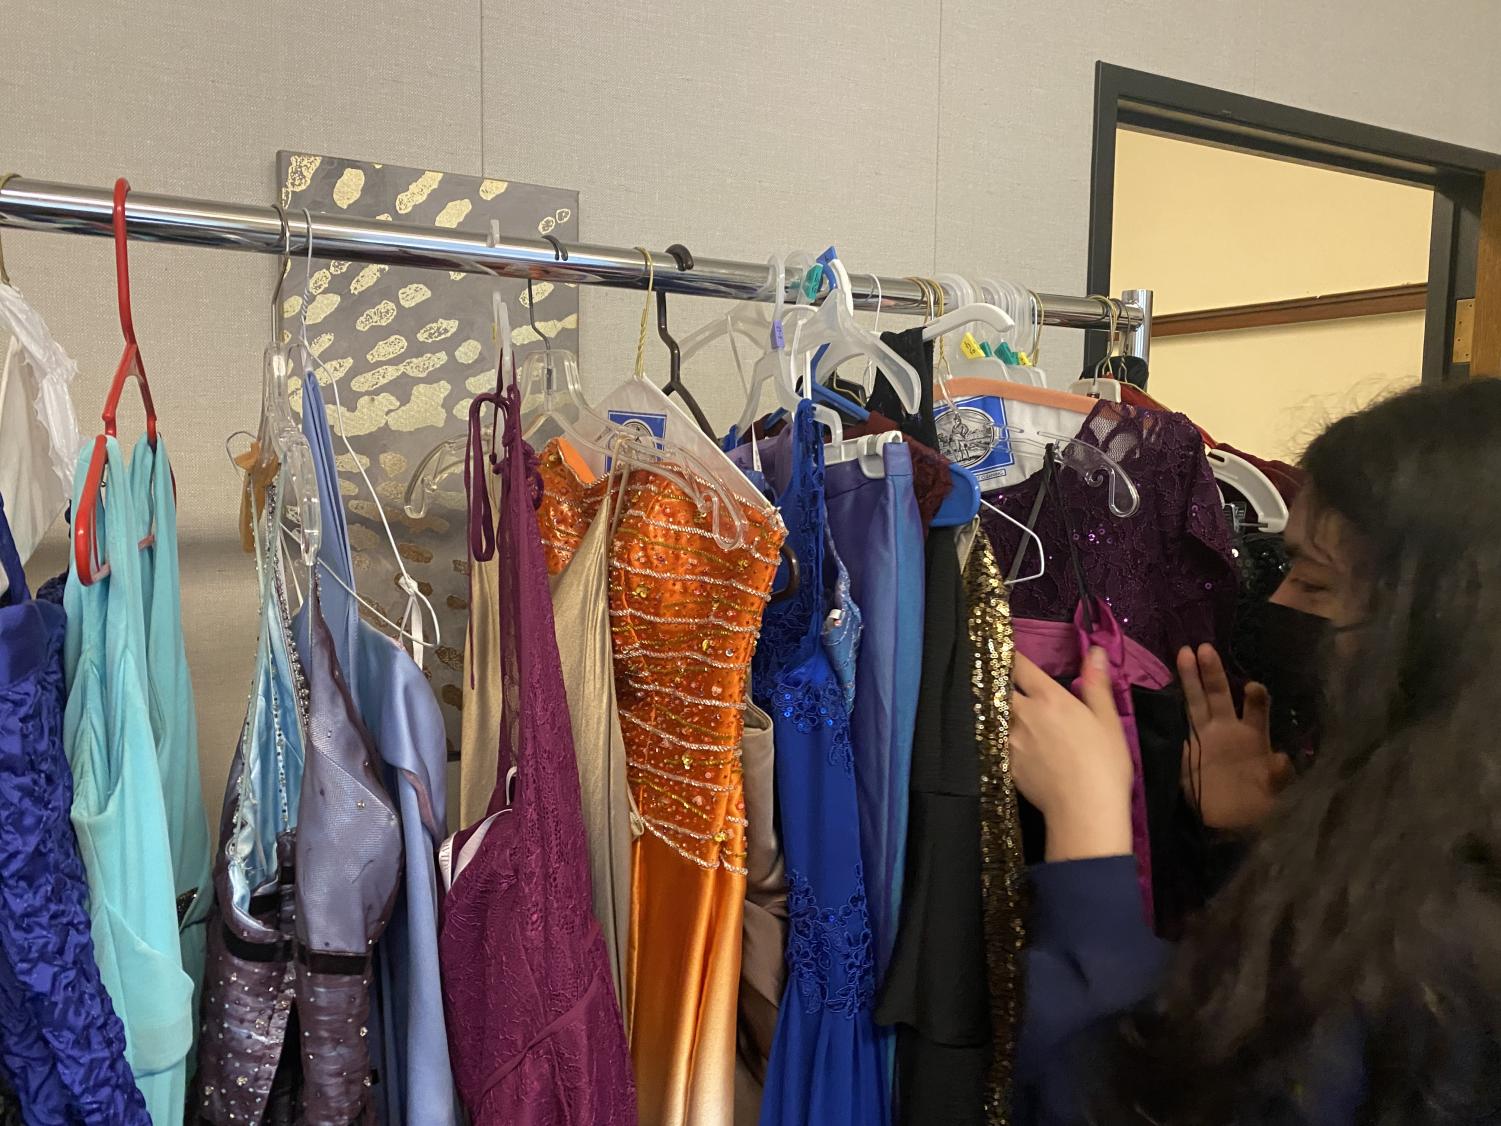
1091, 955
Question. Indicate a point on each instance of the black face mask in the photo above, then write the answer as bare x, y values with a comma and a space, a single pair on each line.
1288, 651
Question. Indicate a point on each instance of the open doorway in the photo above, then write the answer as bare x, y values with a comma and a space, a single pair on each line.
1134, 108
1285, 294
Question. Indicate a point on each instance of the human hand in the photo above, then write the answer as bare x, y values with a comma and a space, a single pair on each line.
1230, 771
1069, 758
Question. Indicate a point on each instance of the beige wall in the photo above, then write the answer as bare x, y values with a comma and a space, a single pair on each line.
918, 135
1205, 228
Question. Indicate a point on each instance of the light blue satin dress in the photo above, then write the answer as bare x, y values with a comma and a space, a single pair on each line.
174, 719
396, 703
118, 810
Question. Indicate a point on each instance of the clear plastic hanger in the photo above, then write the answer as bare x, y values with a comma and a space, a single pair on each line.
770, 336
723, 479
1090, 462
748, 320
410, 627
279, 437
446, 459
792, 374
550, 380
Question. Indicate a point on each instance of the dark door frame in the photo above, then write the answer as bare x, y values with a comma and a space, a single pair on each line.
1170, 107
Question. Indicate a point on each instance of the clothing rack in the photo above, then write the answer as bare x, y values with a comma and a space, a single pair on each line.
75, 209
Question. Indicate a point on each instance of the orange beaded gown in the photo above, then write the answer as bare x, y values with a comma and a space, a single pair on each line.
684, 615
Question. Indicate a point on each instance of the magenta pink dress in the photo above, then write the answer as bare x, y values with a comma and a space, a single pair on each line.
534, 1031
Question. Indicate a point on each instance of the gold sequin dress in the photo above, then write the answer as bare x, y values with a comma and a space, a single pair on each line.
1002, 869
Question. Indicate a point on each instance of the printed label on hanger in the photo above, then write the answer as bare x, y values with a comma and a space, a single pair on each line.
973, 433
640, 424
971, 347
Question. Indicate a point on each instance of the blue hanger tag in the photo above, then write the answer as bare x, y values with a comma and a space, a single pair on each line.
973, 433
642, 424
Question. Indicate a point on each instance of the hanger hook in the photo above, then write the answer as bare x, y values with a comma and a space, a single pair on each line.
5, 277
122, 259
639, 371
684, 261
307, 285
558, 248
560, 254
282, 270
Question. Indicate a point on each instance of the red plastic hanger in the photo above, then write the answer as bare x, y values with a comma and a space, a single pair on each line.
85, 539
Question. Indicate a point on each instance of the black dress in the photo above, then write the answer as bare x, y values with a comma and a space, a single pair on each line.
935, 990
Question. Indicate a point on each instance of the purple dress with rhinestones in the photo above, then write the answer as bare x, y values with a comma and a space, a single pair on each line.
826, 1065
1167, 572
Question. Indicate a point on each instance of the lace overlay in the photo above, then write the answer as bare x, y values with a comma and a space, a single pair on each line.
829, 949
1168, 572
1002, 869
809, 707
535, 1031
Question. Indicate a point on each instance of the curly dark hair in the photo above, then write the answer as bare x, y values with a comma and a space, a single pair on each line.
1365, 923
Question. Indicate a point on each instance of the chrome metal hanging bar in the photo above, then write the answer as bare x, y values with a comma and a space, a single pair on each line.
73, 209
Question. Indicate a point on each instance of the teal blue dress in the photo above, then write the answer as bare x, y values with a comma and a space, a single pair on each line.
174, 720
118, 811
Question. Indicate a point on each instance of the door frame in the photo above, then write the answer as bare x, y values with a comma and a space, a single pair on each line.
1174, 108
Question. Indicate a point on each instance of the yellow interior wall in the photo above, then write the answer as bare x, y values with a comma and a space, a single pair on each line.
1204, 227
1270, 390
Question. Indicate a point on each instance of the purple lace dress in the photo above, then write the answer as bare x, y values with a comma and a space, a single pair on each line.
534, 1030
1168, 572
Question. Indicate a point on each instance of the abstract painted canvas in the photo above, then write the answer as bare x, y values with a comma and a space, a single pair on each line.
409, 350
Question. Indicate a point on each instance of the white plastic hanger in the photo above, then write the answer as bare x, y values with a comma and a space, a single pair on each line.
1268, 509
968, 313
866, 449
410, 627
834, 324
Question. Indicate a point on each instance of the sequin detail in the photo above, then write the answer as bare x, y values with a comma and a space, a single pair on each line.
1001, 865
685, 614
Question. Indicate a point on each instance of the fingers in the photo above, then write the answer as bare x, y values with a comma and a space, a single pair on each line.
1193, 688
1216, 683
1095, 688
1281, 771
1031, 680
1258, 710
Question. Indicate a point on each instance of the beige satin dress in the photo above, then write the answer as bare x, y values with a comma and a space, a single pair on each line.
581, 618
763, 960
